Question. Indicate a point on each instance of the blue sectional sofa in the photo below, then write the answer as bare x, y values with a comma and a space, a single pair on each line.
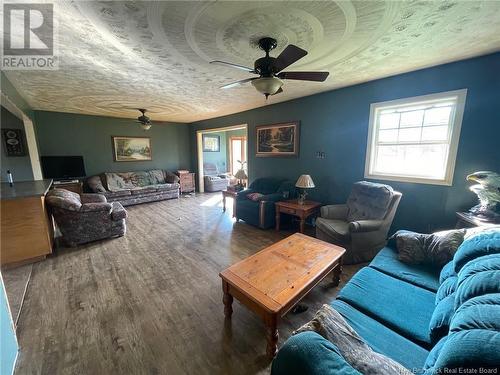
426, 319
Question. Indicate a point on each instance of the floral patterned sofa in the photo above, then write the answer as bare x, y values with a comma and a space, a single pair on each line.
85, 218
130, 188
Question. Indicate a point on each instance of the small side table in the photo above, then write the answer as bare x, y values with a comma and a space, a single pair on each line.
231, 194
292, 207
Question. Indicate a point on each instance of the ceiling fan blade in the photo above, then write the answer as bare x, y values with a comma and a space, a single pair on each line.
237, 83
279, 91
288, 56
231, 65
304, 76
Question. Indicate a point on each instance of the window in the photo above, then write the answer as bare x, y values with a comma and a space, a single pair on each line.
415, 139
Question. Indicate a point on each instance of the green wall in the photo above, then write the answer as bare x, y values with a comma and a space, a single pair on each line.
62, 134
336, 122
20, 166
218, 158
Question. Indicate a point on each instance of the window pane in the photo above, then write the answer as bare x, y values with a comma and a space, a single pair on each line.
409, 134
412, 160
413, 118
435, 133
389, 121
437, 116
388, 136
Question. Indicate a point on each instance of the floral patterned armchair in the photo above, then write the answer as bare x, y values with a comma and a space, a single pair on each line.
87, 217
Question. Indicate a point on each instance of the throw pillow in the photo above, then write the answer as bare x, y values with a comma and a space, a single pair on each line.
254, 196
331, 325
436, 249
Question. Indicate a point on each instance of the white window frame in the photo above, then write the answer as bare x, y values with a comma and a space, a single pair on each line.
456, 124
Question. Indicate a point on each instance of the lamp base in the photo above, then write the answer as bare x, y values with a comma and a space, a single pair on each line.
302, 197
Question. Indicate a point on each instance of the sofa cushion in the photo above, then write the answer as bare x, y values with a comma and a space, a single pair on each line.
483, 243
167, 186
403, 307
368, 201
310, 353
431, 359
447, 271
446, 288
117, 194
156, 176
95, 184
381, 338
337, 229
482, 312
423, 276
65, 199
441, 318
143, 190
330, 324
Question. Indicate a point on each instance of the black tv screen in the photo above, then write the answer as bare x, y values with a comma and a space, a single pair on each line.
62, 167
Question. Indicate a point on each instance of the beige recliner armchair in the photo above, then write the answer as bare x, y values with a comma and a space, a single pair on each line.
361, 225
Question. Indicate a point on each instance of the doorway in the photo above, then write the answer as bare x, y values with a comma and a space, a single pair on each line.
222, 151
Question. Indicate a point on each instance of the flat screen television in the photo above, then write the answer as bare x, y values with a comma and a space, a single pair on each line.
62, 167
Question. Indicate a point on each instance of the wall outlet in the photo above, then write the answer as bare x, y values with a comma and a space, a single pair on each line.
320, 154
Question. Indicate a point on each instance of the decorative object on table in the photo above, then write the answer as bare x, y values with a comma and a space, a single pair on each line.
143, 120
10, 179
131, 148
211, 143
488, 192
302, 210
270, 68
361, 225
14, 142
304, 182
278, 139
240, 175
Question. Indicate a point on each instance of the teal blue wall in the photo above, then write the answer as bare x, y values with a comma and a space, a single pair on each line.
20, 166
8, 341
336, 122
218, 158
90, 136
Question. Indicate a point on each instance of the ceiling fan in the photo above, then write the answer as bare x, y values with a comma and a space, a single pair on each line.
144, 120
269, 69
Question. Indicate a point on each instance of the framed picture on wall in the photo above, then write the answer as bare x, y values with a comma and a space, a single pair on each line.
14, 142
278, 139
131, 148
211, 143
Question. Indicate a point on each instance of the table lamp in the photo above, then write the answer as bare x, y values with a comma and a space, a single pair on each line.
240, 175
304, 182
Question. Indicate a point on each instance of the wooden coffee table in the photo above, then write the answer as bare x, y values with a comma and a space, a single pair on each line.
274, 280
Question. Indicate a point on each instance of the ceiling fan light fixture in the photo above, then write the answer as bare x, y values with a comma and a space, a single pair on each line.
146, 126
267, 85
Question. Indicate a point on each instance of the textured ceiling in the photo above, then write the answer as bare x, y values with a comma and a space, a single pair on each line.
117, 55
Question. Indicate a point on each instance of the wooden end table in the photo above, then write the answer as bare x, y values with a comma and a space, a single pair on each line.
272, 281
292, 207
231, 194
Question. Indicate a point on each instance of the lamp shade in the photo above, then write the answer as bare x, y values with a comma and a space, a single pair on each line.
241, 175
267, 85
305, 182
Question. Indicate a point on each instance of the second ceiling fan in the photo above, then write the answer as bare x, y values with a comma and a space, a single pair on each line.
269, 69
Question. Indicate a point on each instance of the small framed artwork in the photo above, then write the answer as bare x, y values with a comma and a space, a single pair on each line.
278, 140
14, 142
131, 148
211, 143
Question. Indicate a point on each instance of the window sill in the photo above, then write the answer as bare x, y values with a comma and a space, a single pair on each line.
413, 180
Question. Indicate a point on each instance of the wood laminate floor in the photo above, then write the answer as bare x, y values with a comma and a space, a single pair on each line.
151, 302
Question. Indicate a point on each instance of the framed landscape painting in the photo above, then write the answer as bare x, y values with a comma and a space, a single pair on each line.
278, 139
131, 148
211, 143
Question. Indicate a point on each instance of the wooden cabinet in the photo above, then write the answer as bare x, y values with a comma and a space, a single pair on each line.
26, 226
187, 181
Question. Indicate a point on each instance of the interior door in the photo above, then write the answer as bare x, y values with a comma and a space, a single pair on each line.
238, 151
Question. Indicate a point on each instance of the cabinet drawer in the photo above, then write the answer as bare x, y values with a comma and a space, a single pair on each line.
287, 210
